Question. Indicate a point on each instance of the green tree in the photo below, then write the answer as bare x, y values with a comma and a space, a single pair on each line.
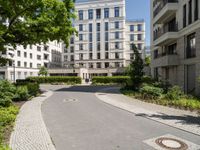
43, 71
135, 70
148, 61
35, 21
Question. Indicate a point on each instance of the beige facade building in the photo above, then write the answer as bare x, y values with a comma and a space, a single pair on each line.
102, 46
175, 42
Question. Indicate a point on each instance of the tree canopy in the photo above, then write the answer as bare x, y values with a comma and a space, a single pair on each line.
24, 22
43, 71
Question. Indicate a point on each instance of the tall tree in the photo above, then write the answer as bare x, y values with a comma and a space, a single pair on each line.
43, 71
24, 22
135, 69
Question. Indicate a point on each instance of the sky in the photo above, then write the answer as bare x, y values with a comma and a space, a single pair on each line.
138, 9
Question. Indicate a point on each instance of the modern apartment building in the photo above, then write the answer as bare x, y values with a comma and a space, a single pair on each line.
102, 46
27, 61
175, 42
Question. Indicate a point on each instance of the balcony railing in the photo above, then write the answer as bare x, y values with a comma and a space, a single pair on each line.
165, 29
162, 5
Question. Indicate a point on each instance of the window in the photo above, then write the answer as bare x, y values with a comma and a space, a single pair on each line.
98, 46
90, 37
31, 65
71, 49
90, 27
80, 14
116, 35
80, 37
38, 57
98, 26
72, 41
80, 46
25, 54
18, 63
139, 27
156, 54
65, 58
80, 27
171, 49
46, 56
91, 65
38, 48
184, 16
106, 26
106, 13
18, 53
25, 64
131, 28
191, 46
190, 12
98, 55
106, 55
90, 55
90, 46
196, 10
106, 65
116, 25
31, 55
98, 14
106, 46
132, 37
72, 58
116, 55
98, 37
80, 56
30, 46
139, 37
98, 65
139, 46
90, 14
106, 36
116, 11
116, 45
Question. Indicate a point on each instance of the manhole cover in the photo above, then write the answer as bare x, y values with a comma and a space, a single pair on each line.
171, 144
70, 100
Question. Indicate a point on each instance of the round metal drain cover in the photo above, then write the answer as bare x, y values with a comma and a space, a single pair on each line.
171, 144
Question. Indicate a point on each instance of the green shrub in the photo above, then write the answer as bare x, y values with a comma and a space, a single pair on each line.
174, 93
33, 89
21, 93
7, 93
151, 92
147, 80
110, 80
55, 79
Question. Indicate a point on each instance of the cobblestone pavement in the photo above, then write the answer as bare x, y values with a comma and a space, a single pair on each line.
184, 120
30, 132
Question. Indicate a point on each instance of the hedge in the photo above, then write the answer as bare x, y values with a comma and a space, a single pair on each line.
110, 80
55, 79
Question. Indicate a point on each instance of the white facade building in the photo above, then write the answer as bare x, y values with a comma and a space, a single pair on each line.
27, 61
102, 46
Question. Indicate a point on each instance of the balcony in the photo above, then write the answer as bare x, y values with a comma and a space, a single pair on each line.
165, 35
166, 60
165, 10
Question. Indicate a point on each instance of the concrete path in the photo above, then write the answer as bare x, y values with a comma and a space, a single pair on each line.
184, 120
77, 120
30, 132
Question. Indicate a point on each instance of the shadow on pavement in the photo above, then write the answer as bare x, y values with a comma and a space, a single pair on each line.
88, 88
186, 119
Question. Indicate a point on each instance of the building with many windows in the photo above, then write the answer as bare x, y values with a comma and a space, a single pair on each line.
27, 61
102, 46
175, 42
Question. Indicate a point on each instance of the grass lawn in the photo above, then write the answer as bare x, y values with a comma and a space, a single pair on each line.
192, 104
7, 119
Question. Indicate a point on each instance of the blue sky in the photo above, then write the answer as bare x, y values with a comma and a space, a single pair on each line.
138, 9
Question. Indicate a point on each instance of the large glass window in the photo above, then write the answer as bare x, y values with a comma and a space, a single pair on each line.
98, 26
139, 27
106, 36
98, 14
80, 37
116, 11
106, 13
191, 46
106, 26
116, 35
139, 37
131, 37
184, 16
116, 45
90, 37
90, 27
90, 14
116, 25
98, 46
80, 14
196, 10
190, 12
80, 46
80, 27
106, 46
98, 37
131, 28
90, 46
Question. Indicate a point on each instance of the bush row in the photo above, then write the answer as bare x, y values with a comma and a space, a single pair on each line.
110, 80
54, 79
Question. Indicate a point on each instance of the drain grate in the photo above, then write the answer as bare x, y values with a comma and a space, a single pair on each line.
171, 144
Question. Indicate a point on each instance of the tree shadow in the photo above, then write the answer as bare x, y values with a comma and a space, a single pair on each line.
185, 119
